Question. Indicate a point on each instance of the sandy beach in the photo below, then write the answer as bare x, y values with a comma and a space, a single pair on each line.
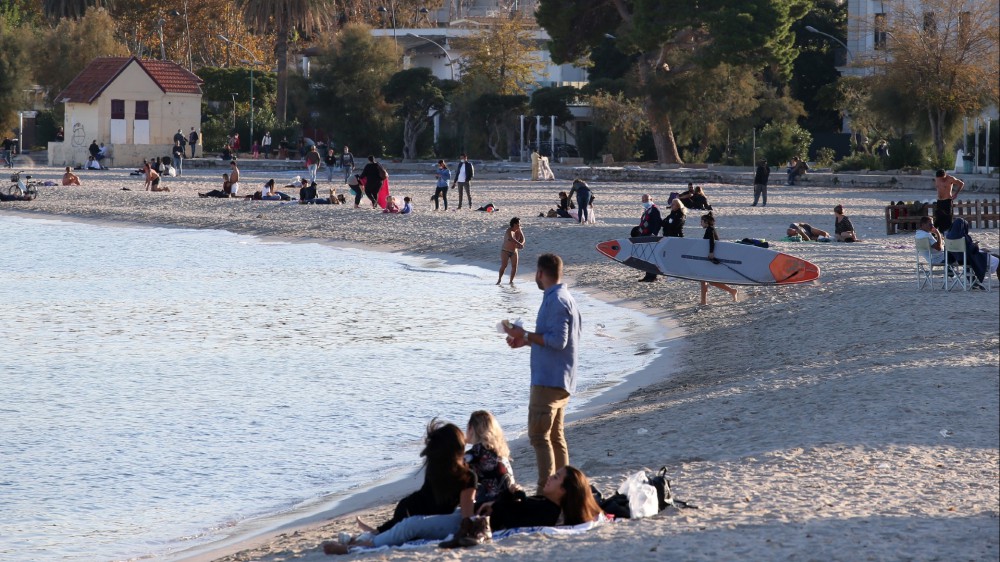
852, 418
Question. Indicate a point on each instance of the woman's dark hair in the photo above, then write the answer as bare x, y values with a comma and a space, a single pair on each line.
444, 449
709, 219
839, 209
578, 504
514, 221
371, 158
270, 182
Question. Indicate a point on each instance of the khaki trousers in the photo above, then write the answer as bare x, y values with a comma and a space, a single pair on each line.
546, 408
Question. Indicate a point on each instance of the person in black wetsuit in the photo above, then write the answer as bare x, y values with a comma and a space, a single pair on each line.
708, 223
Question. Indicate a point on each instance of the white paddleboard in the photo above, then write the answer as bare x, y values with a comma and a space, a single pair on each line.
687, 258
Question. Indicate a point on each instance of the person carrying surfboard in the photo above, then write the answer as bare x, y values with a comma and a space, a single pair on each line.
708, 223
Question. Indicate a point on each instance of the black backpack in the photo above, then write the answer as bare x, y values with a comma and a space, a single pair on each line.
617, 504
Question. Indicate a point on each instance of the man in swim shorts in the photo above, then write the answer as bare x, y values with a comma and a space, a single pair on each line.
944, 183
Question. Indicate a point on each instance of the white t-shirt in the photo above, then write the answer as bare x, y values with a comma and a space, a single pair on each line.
461, 173
937, 256
265, 191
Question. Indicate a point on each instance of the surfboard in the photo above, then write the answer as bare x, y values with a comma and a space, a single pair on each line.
687, 258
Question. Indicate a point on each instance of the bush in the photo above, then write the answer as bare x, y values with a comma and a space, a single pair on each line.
860, 161
825, 157
779, 142
904, 154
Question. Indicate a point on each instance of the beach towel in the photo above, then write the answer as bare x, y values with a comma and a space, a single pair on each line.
383, 193
498, 535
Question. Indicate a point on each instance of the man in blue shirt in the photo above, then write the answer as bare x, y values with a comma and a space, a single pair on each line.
554, 345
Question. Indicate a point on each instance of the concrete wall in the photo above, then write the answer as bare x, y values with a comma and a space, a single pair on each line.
122, 155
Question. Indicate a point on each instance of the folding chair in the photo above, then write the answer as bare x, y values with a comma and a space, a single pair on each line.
961, 271
926, 265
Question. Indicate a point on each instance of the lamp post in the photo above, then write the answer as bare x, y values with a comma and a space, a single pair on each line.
159, 25
850, 55
451, 61
392, 15
234, 94
252, 65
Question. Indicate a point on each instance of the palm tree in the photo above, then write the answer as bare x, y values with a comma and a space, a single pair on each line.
58, 9
283, 16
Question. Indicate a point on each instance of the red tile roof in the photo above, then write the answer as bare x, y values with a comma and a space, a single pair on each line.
101, 72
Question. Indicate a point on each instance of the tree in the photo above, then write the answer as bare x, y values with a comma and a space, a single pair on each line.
284, 17
815, 67
498, 111
347, 88
623, 118
74, 9
418, 96
58, 49
15, 74
501, 55
943, 55
670, 38
554, 101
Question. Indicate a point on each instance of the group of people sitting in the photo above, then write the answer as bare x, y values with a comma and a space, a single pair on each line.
796, 169
981, 261
693, 198
843, 229
461, 488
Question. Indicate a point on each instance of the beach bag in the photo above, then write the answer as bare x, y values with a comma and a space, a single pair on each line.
642, 498
473, 531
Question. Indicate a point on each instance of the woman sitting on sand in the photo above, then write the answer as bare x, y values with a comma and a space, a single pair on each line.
843, 228
708, 223
448, 481
69, 178
806, 231
565, 499
489, 458
513, 240
221, 193
695, 199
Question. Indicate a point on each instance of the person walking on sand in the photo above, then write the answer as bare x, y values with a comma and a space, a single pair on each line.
944, 183
708, 223
193, 141
554, 356
463, 178
443, 174
373, 173
265, 144
513, 240
330, 161
312, 160
347, 163
760, 183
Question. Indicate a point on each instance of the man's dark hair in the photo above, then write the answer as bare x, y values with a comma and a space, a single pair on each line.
939, 173
924, 220
371, 158
551, 265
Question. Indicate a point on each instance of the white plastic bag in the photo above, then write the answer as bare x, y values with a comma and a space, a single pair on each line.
642, 500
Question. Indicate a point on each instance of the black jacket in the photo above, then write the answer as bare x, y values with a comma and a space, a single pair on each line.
470, 171
650, 222
760, 178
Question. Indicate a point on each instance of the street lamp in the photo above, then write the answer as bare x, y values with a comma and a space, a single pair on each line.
451, 61
850, 55
392, 15
234, 94
252, 66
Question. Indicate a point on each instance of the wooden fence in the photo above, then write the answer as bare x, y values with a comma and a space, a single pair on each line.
979, 213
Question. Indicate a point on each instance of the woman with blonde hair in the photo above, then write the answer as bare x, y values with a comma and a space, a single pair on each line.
489, 457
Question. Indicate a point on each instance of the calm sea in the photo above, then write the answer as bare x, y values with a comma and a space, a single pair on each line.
159, 386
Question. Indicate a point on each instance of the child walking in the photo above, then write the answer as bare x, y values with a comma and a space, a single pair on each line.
708, 223
513, 240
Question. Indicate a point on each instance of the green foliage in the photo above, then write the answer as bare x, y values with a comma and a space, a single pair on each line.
814, 68
825, 157
857, 162
624, 121
590, 141
416, 95
46, 124
220, 82
347, 89
20, 13
554, 101
499, 112
71, 9
904, 153
60, 49
15, 74
779, 142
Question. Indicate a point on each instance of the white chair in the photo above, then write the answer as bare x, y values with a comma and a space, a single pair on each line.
961, 272
926, 265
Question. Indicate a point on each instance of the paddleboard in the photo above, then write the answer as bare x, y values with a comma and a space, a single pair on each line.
687, 258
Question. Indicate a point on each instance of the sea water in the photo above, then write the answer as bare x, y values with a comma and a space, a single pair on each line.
159, 385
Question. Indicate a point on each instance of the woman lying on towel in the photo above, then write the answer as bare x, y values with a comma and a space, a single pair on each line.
566, 499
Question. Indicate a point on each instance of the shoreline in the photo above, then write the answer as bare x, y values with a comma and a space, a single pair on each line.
349, 503
854, 407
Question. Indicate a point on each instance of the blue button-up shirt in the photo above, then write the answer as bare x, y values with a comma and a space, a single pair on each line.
559, 324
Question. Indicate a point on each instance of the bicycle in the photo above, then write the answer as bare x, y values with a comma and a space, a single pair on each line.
22, 188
